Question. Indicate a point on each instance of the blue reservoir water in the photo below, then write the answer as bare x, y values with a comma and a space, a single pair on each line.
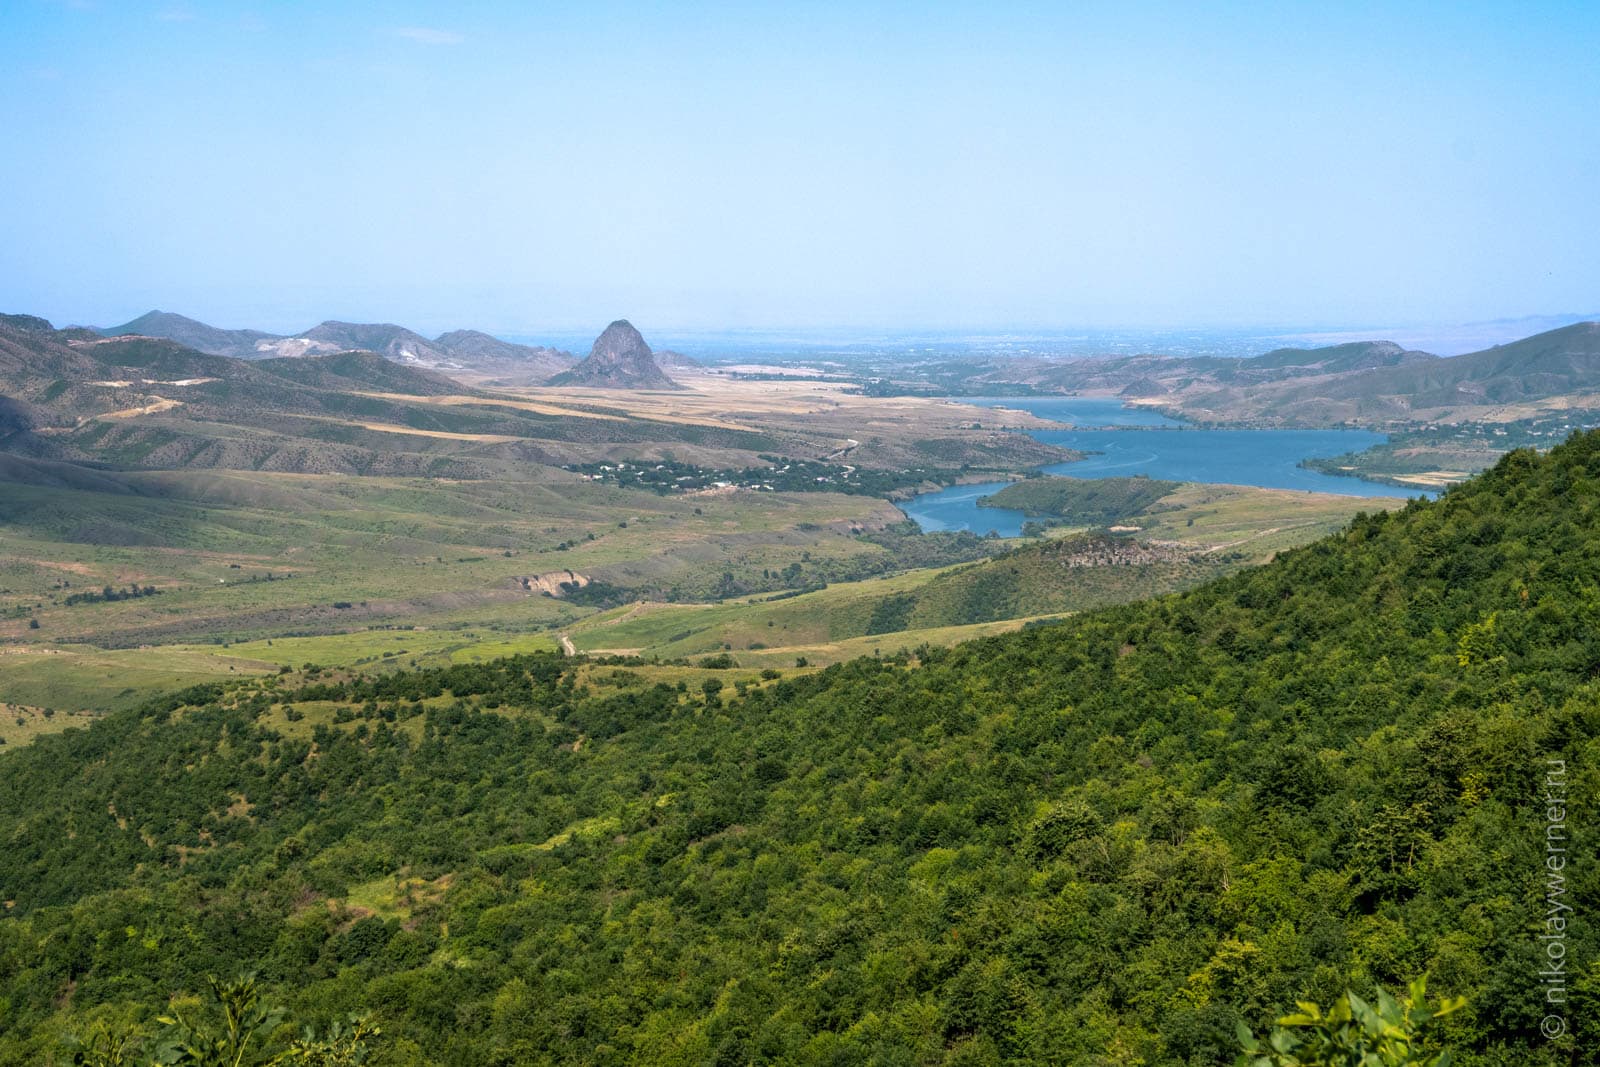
1138, 441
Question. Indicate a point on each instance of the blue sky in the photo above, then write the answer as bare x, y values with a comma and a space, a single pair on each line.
526, 166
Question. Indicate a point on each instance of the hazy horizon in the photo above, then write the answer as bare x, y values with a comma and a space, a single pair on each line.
815, 341
710, 167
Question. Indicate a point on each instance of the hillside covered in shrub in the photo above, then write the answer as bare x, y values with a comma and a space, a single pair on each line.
1106, 841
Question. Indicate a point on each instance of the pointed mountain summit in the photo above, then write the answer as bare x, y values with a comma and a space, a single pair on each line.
619, 360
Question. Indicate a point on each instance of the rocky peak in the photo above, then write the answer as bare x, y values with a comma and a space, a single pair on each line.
619, 359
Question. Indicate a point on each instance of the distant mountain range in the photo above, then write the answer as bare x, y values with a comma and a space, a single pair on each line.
620, 358
137, 401
1373, 383
386, 339
480, 350
504, 362
197, 335
67, 376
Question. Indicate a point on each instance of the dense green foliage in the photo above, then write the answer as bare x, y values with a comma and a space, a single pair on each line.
1081, 501
1105, 841
110, 595
1353, 1033
235, 1029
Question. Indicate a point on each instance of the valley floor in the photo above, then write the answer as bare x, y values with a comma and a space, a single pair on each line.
254, 573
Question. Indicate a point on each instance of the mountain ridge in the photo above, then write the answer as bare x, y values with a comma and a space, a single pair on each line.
455, 350
198, 335
1369, 383
149, 403
485, 352
1375, 383
385, 338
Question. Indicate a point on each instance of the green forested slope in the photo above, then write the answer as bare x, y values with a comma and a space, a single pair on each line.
1058, 575
1081, 501
1101, 842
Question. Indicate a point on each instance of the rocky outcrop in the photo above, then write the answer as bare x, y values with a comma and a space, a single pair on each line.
552, 583
619, 360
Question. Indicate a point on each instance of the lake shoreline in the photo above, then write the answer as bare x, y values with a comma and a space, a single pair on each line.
1118, 440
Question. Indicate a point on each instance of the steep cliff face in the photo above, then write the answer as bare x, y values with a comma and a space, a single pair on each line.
620, 359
